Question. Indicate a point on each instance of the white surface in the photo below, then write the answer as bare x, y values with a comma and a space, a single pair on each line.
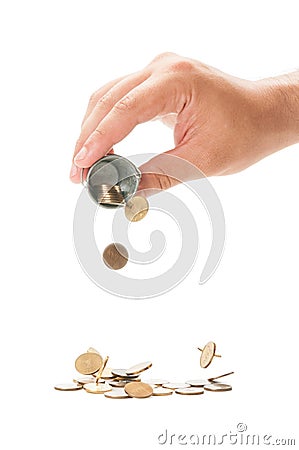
55, 55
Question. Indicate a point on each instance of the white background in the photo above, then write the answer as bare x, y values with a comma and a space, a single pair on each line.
54, 55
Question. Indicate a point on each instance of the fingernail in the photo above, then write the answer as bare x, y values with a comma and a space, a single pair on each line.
74, 170
81, 155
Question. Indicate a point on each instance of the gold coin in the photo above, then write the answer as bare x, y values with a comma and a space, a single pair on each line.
84, 380
68, 387
121, 373
138, 389
138, 368
88, 363
156, 381
190, 391
101, 369
218, 387
115, 256
92, 350
207, 354
221, 376
198, 383
161, 391
94, 388
136, 208
107, 374
117, 393
176, 385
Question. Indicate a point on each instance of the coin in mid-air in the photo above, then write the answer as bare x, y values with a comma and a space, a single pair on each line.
94, 388
117, 393
136, 208
176, 385
218, 387
190, 391
68, 387
198, 383
138, 368
115, 256
88, 363
138, 389
161, 391
207, 354
92, 350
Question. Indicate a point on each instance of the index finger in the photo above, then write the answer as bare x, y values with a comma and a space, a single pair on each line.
153, 97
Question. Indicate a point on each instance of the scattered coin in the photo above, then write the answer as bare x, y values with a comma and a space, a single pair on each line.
218, 387
190, 391
107, 374
121, 373
84, 380
94, 388
221, 376
119, 383
161, 391
138, 368
176, 385
101, 369
136, 208
117, 393
207, 354
115, 256
68, 387
138, 389
198, 383
156, 381
88, 363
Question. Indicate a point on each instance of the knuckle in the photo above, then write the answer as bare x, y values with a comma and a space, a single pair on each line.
164, 182
93, 98
126, 103
106, 101
162, 56
181, 65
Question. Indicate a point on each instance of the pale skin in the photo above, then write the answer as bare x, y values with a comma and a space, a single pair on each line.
222, 124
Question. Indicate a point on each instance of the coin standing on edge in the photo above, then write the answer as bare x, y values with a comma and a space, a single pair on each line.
68, 387
88, 363
138, 368
218, 387
115, 256
138, 389
136, 208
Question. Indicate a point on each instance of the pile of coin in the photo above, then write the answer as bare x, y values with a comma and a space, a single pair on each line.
126, 383
110, 195
115, 255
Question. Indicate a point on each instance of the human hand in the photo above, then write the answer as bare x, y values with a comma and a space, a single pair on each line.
222, 124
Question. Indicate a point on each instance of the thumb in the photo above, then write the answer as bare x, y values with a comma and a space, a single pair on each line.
167, 170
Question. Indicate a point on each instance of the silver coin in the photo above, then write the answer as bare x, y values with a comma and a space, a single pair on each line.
190, 391
117, 393
176, 385
68, 387
121, 373
119, 383
156, 381
218, 387
161, 391
138, 368
198, 383
84, 380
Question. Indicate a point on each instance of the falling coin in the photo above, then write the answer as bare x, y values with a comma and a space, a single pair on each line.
92, 350
101, 369
138, 389
117, 393
138, 368
88, 363
68, 387
190, 391
121, 373
94, 388
207, 354
156, 381
115, 256
161, 391
198, 383
136, 208
218, 387
176, 385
